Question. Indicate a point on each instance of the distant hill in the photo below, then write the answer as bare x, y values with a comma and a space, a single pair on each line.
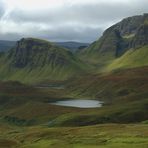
6, 45
73, 46
34, 60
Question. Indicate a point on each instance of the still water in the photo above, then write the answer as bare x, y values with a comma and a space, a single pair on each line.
79, 103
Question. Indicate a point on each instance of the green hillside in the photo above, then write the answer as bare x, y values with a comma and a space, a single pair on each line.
34, 60
102, 136
132, 58
103, 50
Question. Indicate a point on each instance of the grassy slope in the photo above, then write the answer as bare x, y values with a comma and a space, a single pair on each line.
132, 58
120, 91
125, 94
25, 105
102, 136
36, 75
94, 57
97, 85
97, 60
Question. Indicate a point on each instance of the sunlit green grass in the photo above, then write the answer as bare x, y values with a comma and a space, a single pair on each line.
104, 136
132, 58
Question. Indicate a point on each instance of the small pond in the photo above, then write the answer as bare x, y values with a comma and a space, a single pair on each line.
79, 103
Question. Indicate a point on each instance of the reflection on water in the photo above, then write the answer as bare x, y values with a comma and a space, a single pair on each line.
79, 103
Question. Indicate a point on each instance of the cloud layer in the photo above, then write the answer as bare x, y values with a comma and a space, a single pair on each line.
64, 20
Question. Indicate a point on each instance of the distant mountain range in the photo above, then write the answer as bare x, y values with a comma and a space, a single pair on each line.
6, 45
72, 46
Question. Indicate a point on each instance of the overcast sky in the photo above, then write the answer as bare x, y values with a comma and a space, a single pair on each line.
64, 20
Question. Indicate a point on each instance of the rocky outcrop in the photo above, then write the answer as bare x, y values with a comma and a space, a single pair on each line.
141, 37
37, 53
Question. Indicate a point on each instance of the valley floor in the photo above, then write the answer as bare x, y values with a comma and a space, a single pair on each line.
26, 113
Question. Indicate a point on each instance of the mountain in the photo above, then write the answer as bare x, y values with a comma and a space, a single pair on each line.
73, 46
34, 60
137, 55
130, 33
6, 45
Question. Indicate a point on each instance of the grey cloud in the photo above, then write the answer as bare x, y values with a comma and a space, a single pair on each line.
77, 22
98, 13
87, 34
63, 33
10, 36
68, 33
2, 9
84, 13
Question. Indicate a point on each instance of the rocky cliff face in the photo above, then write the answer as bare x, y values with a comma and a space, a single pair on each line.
38, 53
129, 25
131, 32
111, 41
141, 37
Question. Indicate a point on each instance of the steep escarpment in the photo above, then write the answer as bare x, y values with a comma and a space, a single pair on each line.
141, 37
